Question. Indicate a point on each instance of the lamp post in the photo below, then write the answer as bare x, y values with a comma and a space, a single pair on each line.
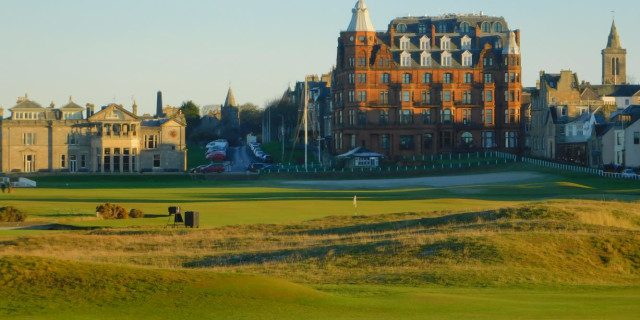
282, 138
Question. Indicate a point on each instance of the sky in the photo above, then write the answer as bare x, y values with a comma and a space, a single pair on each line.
102, 52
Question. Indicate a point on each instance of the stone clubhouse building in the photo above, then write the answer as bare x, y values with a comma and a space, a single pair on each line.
75, 139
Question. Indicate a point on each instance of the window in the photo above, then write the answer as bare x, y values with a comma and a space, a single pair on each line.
510, 139
426, 78
445, 139
487, 139
406, 116
488, 96
402, 28
151, 141
619, 138
488, 78
384, 97
466, 116
405, 43
636, 137
445, 43
362, 117
425, 59
426, 97
468, 77
384, 78
406, 96
446, 78
362, 62
405, 59
63, 161
467, 140
466, 97
352, 96
384, 141
464, 27
446, 116
352, 141
384, 117
446, 97
362, 78
487, 62
362, 96
422, 28
445, 59
427, 142
486, 27
467, 59
426, 116
406, 78
29, 138
406, 142
156, 161
72, 139
352, 62
425, 44
465, 43
487, 116
497, 27
352, 117
83, 161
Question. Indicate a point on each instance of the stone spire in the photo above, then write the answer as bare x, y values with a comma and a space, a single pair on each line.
231, 100
614, 38
360, 21
512, 46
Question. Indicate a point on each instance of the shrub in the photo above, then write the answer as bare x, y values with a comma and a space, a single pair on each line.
11, 214
111, 211
136, 213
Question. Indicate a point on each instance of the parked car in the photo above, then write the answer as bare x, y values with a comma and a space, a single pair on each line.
197, 169
629, 173
214, 167
255, 167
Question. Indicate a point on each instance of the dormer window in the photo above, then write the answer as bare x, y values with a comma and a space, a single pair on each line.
464, 27
467, 59
405, 60
498, 44
425, 44
425, 59
486, 27
445, 43
402, 28
405, 43
465, 43
445, 59
442, 28
497, 27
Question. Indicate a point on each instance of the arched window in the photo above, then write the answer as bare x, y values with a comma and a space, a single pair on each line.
464, 27
406, 78
467, 59
402, 28
467, 139
486, 27
446, 78
497, 27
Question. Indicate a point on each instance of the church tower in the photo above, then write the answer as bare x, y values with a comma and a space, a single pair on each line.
614, 60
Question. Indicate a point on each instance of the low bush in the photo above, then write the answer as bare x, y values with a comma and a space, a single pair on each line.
111, 211
136, 213
11, 214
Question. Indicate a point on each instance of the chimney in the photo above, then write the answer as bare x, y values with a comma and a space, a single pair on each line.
159, 105
518, 36
392, 35
89, 110
134, 108
477, 39
433, 36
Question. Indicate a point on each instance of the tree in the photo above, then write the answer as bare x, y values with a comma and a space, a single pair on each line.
191, 112
250, 119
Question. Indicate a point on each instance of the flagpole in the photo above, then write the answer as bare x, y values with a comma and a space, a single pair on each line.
306, 130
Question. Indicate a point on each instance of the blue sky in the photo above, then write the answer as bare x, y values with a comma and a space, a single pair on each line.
116, 51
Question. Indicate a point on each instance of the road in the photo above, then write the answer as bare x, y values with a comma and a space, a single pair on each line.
239, 158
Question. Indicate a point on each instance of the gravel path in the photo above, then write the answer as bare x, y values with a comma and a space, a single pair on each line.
443, 181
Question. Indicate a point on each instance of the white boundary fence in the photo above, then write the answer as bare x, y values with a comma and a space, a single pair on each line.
568, 167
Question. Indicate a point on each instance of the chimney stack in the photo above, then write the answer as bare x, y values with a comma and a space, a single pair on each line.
159, 105
134, 108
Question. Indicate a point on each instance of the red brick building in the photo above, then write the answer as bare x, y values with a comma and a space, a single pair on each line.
427, 85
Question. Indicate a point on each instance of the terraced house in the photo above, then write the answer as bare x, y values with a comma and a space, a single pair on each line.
427, 85
75, 139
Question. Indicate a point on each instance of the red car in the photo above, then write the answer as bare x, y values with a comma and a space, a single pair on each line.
214, 167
